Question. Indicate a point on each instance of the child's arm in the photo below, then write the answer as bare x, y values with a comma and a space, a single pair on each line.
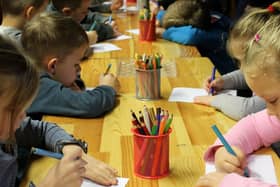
250, 133
234, 80
218, 179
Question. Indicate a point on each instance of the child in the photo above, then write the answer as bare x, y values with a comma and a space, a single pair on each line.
243, 30
78, 10
189, 23
19, 83
261, 71
16, 14
59, 54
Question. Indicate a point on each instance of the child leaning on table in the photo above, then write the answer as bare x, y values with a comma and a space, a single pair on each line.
16, 14
191, 23
48, 40
79, 11
261, 69
19, 83
234, 106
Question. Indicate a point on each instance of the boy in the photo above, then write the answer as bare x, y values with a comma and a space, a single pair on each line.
78, 10
16, 14
59, 55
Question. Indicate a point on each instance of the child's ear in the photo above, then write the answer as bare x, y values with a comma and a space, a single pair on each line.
52, 65
30, 12
67, 11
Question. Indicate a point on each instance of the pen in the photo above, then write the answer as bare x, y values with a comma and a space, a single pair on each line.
42, 152
108, 69
227, 146
213, 78
92, 27
110, 19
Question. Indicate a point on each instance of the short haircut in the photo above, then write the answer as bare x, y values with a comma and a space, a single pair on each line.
60, 4
18, 76
16, 7
187, 12
52, 34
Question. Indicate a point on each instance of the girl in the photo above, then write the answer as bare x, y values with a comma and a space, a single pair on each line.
19, 83
243, 30
261, 71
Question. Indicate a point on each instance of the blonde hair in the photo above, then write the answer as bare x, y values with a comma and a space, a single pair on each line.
187, 12
263, 50
52, 34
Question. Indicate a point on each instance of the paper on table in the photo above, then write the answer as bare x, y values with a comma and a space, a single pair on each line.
186, 94
121, 37
133, 31
104, 47
121, 183
260, 167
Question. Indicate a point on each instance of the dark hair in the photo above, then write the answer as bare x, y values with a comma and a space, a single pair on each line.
60, 4
16, 7
187, 12
52, 34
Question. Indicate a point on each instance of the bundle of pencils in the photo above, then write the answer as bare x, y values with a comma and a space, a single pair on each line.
151, 142
147, 24
151, 123
148, 76
148, 62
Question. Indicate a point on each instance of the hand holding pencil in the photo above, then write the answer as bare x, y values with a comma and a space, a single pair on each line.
109, 79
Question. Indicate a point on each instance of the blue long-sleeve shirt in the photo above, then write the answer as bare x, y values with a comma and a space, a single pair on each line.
54, 98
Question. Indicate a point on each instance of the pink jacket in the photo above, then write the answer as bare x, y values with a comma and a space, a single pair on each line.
249, 134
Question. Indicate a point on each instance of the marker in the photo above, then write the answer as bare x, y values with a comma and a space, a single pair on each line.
108, 69
92, 27
227, 146
42, 152
213, 78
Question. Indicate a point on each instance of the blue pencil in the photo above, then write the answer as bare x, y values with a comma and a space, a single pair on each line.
227, 146
42, 152
92, 27
110, 19
213, 78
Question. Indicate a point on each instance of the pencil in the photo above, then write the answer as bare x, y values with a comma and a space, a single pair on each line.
108, 69
227, 146
110, 19
42, 152
92, 27
213, 78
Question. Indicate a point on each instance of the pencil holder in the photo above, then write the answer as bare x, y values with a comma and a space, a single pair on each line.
148, 84
151, 155
147, 30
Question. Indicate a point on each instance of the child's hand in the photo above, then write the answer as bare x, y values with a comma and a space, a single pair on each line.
110, 80
68, 172
159, 31
228, 163
115, 29
92, 37
216, 84
204, 100
210, 180
116, 4
100, 172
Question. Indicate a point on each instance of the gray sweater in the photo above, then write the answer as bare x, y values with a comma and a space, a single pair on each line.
30, 134
234, 106
55, 99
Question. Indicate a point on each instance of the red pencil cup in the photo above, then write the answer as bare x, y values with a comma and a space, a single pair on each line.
147, 30
151, 155
147, 84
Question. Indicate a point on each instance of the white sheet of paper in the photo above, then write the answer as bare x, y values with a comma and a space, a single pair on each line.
121, 183
104, 47
260, 167
181, 94
121, 37
133, 31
